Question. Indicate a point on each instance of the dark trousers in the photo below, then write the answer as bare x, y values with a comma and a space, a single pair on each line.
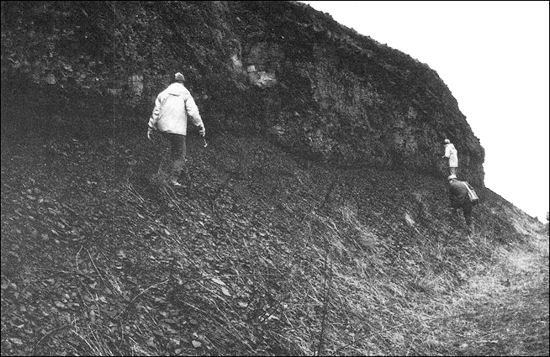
173, 164
467, 211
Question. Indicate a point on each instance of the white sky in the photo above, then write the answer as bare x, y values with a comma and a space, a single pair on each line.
493, 56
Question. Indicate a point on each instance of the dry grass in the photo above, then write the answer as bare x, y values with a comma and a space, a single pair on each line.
278, 259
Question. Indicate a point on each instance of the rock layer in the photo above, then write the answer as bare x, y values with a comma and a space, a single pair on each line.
277, 69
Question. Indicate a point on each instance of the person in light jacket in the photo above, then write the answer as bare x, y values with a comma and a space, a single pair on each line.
452, 154
459, 198
173, 106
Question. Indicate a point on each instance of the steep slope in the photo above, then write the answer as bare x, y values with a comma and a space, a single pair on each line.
276, 69
264, 253
316, 221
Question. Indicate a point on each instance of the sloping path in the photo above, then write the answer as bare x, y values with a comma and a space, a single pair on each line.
503, 311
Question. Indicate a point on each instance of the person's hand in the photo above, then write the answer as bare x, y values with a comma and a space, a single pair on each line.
202, 131
149, 131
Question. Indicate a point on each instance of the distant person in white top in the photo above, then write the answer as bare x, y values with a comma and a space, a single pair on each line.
452, 155
172, 107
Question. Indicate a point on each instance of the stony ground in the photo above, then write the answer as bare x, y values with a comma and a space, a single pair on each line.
261, 253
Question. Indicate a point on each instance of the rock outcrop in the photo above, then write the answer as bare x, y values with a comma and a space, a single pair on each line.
279, 69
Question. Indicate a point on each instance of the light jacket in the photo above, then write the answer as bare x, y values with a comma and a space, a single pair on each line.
452, 154
172, 107
458, 194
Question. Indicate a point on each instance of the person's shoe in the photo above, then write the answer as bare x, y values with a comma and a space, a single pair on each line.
175, 183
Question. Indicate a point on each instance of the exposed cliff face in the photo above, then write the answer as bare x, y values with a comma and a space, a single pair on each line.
261, 252
275, 68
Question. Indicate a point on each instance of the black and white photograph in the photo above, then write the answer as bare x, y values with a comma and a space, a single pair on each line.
275, 178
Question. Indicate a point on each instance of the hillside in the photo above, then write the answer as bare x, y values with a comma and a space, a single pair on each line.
263, 253
316, 221
300, 79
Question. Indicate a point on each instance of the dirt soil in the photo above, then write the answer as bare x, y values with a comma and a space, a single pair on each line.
261, 253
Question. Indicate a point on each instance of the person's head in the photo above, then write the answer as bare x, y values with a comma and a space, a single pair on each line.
178, 77
447, 141
451, 178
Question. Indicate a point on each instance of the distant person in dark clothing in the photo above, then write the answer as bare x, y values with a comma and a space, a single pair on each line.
458, 196
452, 154
172, 108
